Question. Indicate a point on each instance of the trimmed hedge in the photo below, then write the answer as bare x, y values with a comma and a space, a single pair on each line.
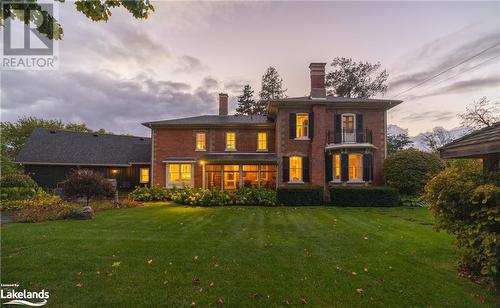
364, 196
299, 195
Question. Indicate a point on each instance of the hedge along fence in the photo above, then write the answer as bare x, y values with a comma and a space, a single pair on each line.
364, 196
300, 195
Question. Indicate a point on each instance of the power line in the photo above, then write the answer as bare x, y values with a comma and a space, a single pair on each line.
459, 73
446, 70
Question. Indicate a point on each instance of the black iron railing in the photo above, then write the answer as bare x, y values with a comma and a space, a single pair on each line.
350, 136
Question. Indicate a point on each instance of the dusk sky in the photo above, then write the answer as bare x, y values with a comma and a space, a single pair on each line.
118, 74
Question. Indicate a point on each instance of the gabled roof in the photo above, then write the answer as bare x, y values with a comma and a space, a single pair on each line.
375, 103
213, 120
76, 148
478, 143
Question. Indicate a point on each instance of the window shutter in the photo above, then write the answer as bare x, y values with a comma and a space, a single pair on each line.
338, 128
367, 167
293, 125
305, 169
311, 125
286, 169
359, 128
344, 167
328, 167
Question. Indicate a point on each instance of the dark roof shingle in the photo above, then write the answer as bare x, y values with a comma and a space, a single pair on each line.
214, 120
77, 148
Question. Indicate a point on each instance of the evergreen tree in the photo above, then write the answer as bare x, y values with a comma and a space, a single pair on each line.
246, 102
272, 88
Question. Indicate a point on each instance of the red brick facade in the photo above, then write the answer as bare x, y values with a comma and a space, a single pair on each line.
179, 141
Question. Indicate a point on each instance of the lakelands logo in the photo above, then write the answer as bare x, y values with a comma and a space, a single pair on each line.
29, 33
10, 296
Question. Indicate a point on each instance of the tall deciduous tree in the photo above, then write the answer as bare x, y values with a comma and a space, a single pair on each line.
480, 114
436, 139
96, 10
272, 88
356, 79
398, 142
246, 102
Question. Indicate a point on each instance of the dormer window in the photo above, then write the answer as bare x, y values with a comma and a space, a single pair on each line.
230, 141
302, 128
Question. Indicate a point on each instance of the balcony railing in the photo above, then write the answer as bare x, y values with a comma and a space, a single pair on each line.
350, 136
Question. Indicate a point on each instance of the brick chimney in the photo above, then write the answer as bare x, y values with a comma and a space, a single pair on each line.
223, 98
318, 89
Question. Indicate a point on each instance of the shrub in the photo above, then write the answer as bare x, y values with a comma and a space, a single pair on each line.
16, 179
467, 207
409, 170
412, 201
298, 195
155, 193
42, 200
364, 196
88, 184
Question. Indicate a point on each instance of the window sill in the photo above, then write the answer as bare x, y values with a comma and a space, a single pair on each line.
356, 182
200, 150
296, 182
230, 150
302, 138
266, 150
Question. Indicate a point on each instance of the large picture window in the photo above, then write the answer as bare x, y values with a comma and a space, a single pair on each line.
201, 141
268, 176
213, 176
355, 167
296, 169
231, 177
235, 176
302, 125
230, 141
180, 175
250, 176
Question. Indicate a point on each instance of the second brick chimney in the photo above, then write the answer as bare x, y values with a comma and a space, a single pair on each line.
223, 101
318, 89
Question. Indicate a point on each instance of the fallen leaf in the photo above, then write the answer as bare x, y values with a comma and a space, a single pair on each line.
79, 274
286, 302
219, 301
150, 261
201, 290
195, 258
354, 273
366, 270
110, 274
116, 264
365, 237
98, 273
193, 304
79, 285
360, 291
255, 295
303, 301
211, 284
196, 280
339, 268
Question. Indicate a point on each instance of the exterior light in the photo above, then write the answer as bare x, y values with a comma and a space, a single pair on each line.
114, 171
202, 162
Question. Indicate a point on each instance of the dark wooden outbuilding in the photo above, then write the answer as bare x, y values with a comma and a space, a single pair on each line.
49, 155
483, 144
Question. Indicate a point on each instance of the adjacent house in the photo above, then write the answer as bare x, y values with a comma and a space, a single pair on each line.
317, 139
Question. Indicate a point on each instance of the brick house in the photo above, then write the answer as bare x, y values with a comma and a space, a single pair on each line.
317, 139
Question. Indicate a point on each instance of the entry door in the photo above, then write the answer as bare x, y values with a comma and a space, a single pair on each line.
348, 128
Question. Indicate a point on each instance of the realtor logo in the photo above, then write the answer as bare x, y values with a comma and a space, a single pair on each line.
29, 33
9, 296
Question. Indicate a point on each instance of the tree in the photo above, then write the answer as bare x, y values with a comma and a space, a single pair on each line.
480, 114
355, 79
246, 102
397, 142
272, 88
409, 170
96, 10
88, 184
436, 138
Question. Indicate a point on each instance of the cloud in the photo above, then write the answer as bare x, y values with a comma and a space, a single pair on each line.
210, 83
101, 99
189, 64
234, 85
430, 116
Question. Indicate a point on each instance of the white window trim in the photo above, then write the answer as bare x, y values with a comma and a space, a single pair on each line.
308, 122
167, 173
267, 142
342, 125
196, 142
235, 142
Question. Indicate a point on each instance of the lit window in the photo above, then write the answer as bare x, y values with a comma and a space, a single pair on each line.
296, 169
302, 125
262, 141
179, 175
144, 175
201, 141
336, 167
230, 141
355, 167
231, 177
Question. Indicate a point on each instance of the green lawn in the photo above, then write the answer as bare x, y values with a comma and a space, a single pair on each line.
248, 256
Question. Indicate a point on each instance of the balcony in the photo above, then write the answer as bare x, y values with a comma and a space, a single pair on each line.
350, 136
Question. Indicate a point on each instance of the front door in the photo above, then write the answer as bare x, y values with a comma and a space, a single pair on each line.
348, 129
